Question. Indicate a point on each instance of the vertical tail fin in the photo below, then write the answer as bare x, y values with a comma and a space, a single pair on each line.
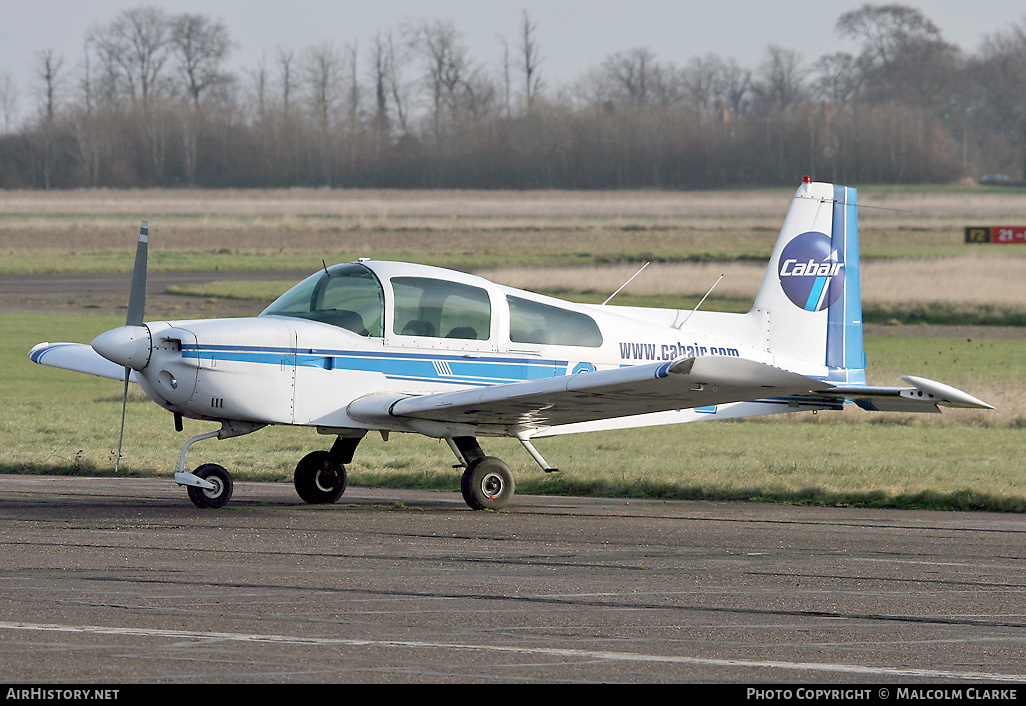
810, 300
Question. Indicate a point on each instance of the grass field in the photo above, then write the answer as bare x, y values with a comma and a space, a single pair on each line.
915, 269
94, 230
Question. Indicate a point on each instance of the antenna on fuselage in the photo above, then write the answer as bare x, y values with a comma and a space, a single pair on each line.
325, 266
700, 302
626, 283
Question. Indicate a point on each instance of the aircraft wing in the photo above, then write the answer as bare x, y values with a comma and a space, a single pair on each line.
685, 383
679, 384
78, 357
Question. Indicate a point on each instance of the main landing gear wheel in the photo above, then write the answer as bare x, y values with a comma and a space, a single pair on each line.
219, 495
320, 478
488, 484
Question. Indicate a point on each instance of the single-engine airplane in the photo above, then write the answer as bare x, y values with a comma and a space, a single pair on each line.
397, 347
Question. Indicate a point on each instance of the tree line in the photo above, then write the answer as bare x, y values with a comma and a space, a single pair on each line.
151, 102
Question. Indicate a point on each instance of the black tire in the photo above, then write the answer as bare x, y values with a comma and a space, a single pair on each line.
319, 478
222, 491
488, 484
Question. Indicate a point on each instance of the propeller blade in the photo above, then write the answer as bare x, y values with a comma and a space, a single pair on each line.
137, 295
136, 311
124, 406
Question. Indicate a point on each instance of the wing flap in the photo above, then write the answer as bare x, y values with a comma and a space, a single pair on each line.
78, 357
680, 384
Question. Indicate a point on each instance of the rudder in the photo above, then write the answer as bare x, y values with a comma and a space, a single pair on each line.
810, 302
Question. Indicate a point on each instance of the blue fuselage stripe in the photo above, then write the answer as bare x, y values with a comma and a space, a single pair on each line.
454, 369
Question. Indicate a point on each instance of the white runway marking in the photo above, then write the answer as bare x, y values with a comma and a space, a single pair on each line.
542, 651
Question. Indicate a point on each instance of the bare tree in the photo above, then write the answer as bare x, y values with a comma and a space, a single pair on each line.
48, 70
701, 81
448, 68
507, 83
782, 79
201, 46
839, 81
397, 86
903, 57
286, 78
632, 73
735, 89
260, 79
134, 49
532, 58
324, 74
323, 71
8, 100
379, 76
1003, 73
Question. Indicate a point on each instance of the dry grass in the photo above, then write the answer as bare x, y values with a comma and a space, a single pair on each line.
298, 209
879, 204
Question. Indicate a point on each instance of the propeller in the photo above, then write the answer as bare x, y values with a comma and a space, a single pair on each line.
136, 307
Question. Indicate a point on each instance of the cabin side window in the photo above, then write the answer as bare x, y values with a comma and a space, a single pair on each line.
440, 309
533, 322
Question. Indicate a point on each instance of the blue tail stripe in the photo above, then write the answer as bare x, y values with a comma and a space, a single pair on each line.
844, 327
814, 296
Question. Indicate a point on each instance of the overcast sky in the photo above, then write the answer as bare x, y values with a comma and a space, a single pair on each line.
573, 35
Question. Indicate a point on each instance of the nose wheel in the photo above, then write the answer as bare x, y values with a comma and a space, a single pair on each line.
216, 496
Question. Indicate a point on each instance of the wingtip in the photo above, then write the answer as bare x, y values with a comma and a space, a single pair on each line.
947, 395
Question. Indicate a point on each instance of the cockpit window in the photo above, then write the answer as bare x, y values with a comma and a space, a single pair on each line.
439, 308
348, 296
533, 322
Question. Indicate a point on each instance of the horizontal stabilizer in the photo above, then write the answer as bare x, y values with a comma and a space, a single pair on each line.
78, 357
680, 384
924, 396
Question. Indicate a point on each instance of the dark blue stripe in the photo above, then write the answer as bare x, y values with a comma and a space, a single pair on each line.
371, 354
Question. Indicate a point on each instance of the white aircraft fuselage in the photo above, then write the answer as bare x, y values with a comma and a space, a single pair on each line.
277, 369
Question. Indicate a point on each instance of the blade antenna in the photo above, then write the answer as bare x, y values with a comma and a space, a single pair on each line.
626, 283
700, 302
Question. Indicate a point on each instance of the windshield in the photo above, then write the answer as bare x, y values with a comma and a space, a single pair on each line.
348, 296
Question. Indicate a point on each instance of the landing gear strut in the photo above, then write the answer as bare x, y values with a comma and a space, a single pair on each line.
210, 485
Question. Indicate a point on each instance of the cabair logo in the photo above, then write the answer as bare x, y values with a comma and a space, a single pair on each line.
811, 271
